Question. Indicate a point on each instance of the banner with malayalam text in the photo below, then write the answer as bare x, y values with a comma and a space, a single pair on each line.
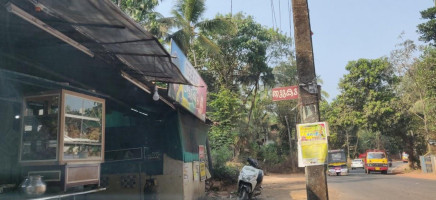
285, 93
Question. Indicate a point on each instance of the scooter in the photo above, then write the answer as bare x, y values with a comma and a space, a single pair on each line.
250, 180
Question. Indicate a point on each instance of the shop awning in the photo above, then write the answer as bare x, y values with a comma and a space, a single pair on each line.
100, 29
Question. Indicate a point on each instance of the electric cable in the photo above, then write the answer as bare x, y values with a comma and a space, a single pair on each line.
280, 15
290, 20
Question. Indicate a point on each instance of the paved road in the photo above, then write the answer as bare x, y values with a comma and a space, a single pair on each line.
359, 185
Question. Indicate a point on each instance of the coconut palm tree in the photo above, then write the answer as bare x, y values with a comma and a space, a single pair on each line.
190, 28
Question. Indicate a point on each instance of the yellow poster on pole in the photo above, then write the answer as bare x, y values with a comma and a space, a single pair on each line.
312, 143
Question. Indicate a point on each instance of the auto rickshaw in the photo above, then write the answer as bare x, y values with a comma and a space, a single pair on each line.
337, 163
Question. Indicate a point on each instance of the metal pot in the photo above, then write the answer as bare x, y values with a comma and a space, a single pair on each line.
33, 186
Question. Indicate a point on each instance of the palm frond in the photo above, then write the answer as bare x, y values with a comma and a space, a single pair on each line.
158, 15
217, 25
179, 21
181, 38
167, 21
159, 27
178, 7
193, 9
208, 45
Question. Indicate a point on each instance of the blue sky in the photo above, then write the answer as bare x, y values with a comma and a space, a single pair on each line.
344, 30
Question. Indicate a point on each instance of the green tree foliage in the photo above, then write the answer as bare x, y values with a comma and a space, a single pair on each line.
246, 55
143, 12
245, 66
366, 108
258, 132
420, 91
138, 10
221, 170
224, 110
286, 75
386, 104
368, 90
271, 154
191, 29
428, 29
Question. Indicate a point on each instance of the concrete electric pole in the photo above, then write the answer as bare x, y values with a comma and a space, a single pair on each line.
316, 181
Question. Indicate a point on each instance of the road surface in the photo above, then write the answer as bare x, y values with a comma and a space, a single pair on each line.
356, 186
359, 185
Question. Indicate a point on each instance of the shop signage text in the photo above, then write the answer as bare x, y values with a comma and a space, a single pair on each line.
285, 93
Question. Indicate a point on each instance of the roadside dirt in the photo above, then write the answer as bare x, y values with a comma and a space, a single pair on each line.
284, 186
275, 187
287, 186
405, 171
420, 175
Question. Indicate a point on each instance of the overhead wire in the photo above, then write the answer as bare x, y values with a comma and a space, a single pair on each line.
280, 15
231, 8
273, 12
275, 18
290, 20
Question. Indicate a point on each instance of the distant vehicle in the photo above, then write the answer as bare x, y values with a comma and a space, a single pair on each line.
337, 163
405, 157
362, 156
376, 160
357, 163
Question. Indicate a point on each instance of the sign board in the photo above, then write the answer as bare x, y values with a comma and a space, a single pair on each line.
312, 143
202, 171
186, 171
192, 97
196, 170
201, 152
285, 93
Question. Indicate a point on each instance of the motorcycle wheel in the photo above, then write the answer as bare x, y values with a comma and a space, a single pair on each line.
243, 195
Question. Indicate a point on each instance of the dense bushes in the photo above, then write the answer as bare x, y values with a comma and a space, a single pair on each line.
270, 154
221, 169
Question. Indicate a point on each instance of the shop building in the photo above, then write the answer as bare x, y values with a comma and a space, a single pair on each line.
76, 105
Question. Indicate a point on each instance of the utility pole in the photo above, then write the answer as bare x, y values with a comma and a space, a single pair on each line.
316, 181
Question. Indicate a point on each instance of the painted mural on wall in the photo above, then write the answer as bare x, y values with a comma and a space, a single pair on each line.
193, 97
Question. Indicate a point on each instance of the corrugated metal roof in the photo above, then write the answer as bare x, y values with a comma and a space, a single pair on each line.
107, 31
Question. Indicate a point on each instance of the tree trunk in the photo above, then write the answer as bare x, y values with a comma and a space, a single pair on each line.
348, 144
195, 58
192, 49
427, 132
412, 157
253, 102
209, 156
357, 143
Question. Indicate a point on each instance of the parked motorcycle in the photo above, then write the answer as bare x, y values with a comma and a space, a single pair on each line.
249, 180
